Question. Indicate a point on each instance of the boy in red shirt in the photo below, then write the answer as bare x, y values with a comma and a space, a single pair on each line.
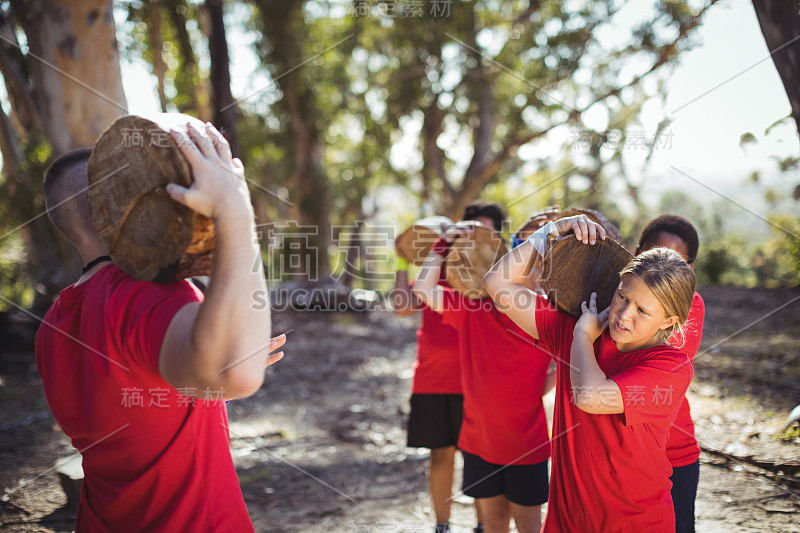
676, 233
136, 373
436, 396
618, 384
503, 436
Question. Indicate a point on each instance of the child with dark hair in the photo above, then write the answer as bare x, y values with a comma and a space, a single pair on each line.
676, 233
437, 399
671, 231
504, 375
165, 465
487, 211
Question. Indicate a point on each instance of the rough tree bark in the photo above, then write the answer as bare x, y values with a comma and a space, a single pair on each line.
64, 91
74, 68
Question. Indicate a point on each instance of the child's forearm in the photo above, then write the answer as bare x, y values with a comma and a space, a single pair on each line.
425, 287
592, 391
404, 303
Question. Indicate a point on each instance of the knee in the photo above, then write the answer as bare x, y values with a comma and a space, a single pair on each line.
495, 518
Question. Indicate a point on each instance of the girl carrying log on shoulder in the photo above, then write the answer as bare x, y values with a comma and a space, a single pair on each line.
618, 384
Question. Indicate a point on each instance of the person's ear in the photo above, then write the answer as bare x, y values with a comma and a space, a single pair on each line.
668, 322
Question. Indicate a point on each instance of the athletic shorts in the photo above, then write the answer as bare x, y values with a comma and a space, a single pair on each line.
435, 420
520, 484
684, 492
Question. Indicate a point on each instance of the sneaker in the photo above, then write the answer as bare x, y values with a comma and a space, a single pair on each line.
442, 528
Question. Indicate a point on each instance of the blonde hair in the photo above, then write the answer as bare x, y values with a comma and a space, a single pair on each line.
672, 281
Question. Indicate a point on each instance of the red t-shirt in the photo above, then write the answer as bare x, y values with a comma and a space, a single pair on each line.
502, 375
437, 370
152, 461
682, 448
610, 472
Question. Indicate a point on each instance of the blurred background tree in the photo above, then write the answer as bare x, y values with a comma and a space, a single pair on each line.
422, 106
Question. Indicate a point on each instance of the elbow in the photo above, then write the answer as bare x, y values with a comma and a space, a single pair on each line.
242, 384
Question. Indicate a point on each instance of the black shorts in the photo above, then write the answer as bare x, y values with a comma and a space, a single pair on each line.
435, 420
520, 484
684, 492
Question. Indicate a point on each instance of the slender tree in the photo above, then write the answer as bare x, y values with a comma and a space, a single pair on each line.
64, 90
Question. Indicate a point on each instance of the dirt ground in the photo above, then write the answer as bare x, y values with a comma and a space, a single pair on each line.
321, 447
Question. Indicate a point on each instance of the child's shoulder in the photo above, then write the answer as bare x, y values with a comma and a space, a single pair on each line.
669, 357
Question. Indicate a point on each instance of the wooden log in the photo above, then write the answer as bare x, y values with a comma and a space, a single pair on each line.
538, 220
149, 236
469, 259
611, 229
553, 213
414, 243
571, 271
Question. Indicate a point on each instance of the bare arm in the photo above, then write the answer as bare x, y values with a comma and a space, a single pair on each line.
510, 281
592, 390
506, 284
427, 288
404, 302
224, 342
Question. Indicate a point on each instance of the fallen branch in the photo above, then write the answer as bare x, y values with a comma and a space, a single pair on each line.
789, 468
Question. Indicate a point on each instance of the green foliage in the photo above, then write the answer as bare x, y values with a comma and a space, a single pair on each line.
15, 278
727, 258
24, 201
747, 138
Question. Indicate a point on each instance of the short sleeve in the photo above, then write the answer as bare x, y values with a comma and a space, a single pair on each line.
454, 308
142, 312
653, 390
692, 329
553, 326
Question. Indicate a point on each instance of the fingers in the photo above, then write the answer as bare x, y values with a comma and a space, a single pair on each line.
182, 195
601, 230
220, 143
202, 140
581, 228
186, 146
586, 230
274, 358
592, 232
277, 342
591, 307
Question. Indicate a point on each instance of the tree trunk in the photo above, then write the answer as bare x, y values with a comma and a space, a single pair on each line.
199, 103
222, 103
156, 47
74, 68
780, 24
66, 90
308, 190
